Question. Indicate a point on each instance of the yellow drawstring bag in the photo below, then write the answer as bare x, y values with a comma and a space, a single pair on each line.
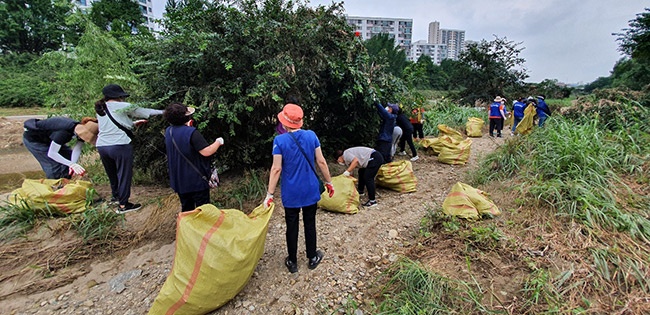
468, 202
216, 254
62, 196
474, 127
448, 131
345, 198
397, 176
455, 153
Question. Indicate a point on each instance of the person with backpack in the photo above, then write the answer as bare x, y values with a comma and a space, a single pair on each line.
47, 140
114, 142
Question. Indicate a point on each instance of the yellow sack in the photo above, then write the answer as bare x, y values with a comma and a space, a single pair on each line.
525, 126
455, 153
346, 196
448, 131
216, 254
429, 145
397, 176
468, 202
510, 121
62, 196
474, 127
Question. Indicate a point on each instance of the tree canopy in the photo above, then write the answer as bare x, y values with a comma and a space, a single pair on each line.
635, 41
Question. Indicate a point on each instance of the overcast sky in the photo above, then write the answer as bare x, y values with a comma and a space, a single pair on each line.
567, 40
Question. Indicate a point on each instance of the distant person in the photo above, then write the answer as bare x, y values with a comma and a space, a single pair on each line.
385, 137
518, 111
417, 120
294, 154
47, 140
407, 135
368, 161
542, 109
114, 142
497, 116
188, 157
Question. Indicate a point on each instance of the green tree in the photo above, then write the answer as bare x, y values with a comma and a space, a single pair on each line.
635, 41
238, 65
600, 83
553, 89
424, 74
487, 69
382, 50
631, 73
120, 17
35, 26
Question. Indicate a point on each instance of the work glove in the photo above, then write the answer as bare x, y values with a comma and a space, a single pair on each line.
268, 200
220, 140
330, 189
76, 169
140, 122
346, 173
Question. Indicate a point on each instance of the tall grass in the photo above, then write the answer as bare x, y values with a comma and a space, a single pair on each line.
245, 190
16, 219
97, 224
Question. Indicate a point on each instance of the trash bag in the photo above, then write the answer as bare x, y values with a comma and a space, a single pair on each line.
216, 254
397, 176
346, 196
468, 202
474, 127
510, 121
525, 126
455, 153
429, 145
448, 131
62, 196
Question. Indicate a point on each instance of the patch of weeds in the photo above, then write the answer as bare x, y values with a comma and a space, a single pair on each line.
96, 224
249, 188
484, 238
17, 219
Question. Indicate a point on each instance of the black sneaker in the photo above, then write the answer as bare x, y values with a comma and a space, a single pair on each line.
114, 201
314, 261
128, 208
370, 203
292, 266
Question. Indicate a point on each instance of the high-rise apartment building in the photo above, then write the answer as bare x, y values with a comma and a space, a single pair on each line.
401, 30
437, 52
453, 39
434, 32
146, 7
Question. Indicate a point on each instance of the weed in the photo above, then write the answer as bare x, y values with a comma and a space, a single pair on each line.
249, 188
96, 224
16, 219
484, 238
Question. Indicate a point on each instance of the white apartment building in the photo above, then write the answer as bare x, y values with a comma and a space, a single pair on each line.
437, 52
454, 39
399, 29
147, 7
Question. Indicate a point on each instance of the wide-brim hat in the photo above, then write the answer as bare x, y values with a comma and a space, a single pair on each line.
190, 111
114, 91
87, 132
498, 99
291, 116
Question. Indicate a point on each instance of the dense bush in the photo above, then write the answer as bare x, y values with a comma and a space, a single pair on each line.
20, 80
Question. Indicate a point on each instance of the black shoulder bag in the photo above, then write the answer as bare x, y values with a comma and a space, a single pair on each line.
126, 130
213, 181
320, 182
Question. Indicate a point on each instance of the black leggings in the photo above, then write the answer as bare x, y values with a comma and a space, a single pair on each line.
407, 137
292, 219
367, 174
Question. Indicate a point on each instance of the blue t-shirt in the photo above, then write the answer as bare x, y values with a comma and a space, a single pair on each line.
298, 183
519, 109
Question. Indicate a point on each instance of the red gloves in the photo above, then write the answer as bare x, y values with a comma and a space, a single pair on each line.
330, 189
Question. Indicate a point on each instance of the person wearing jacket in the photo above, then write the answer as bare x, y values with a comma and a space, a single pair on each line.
188, 157
518, 111
407, 136
497, 116
542, 110
368, 161
47, 140
385, 137
294, 153
417, 120
114, 142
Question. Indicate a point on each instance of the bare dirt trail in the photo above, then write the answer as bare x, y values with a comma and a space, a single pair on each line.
357, 249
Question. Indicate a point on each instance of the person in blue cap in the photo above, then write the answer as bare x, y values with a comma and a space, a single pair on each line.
388, 115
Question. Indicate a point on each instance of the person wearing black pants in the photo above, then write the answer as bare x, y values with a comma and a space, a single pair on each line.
368, 161
407, 135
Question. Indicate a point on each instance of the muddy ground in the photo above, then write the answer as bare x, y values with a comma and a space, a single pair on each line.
125, 278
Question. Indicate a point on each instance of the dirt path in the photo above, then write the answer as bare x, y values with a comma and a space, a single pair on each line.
357, 249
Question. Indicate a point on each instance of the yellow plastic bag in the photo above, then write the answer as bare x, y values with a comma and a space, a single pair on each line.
448, 131
216, 254
346, 196
397, 176
58, 195
525, 126
429, 144
510, 121
468, 202
455, 153
474, 127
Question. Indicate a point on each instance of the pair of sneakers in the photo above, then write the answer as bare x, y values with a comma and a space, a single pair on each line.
402, 153
292, 266
128, 207
370, 203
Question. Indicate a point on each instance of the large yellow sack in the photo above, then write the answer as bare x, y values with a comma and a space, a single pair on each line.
216, 254
455, 153
510, 121
429, 145
446, 130
61, 196
345, 198
397, 176
474, 127
525, 126
468, 202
